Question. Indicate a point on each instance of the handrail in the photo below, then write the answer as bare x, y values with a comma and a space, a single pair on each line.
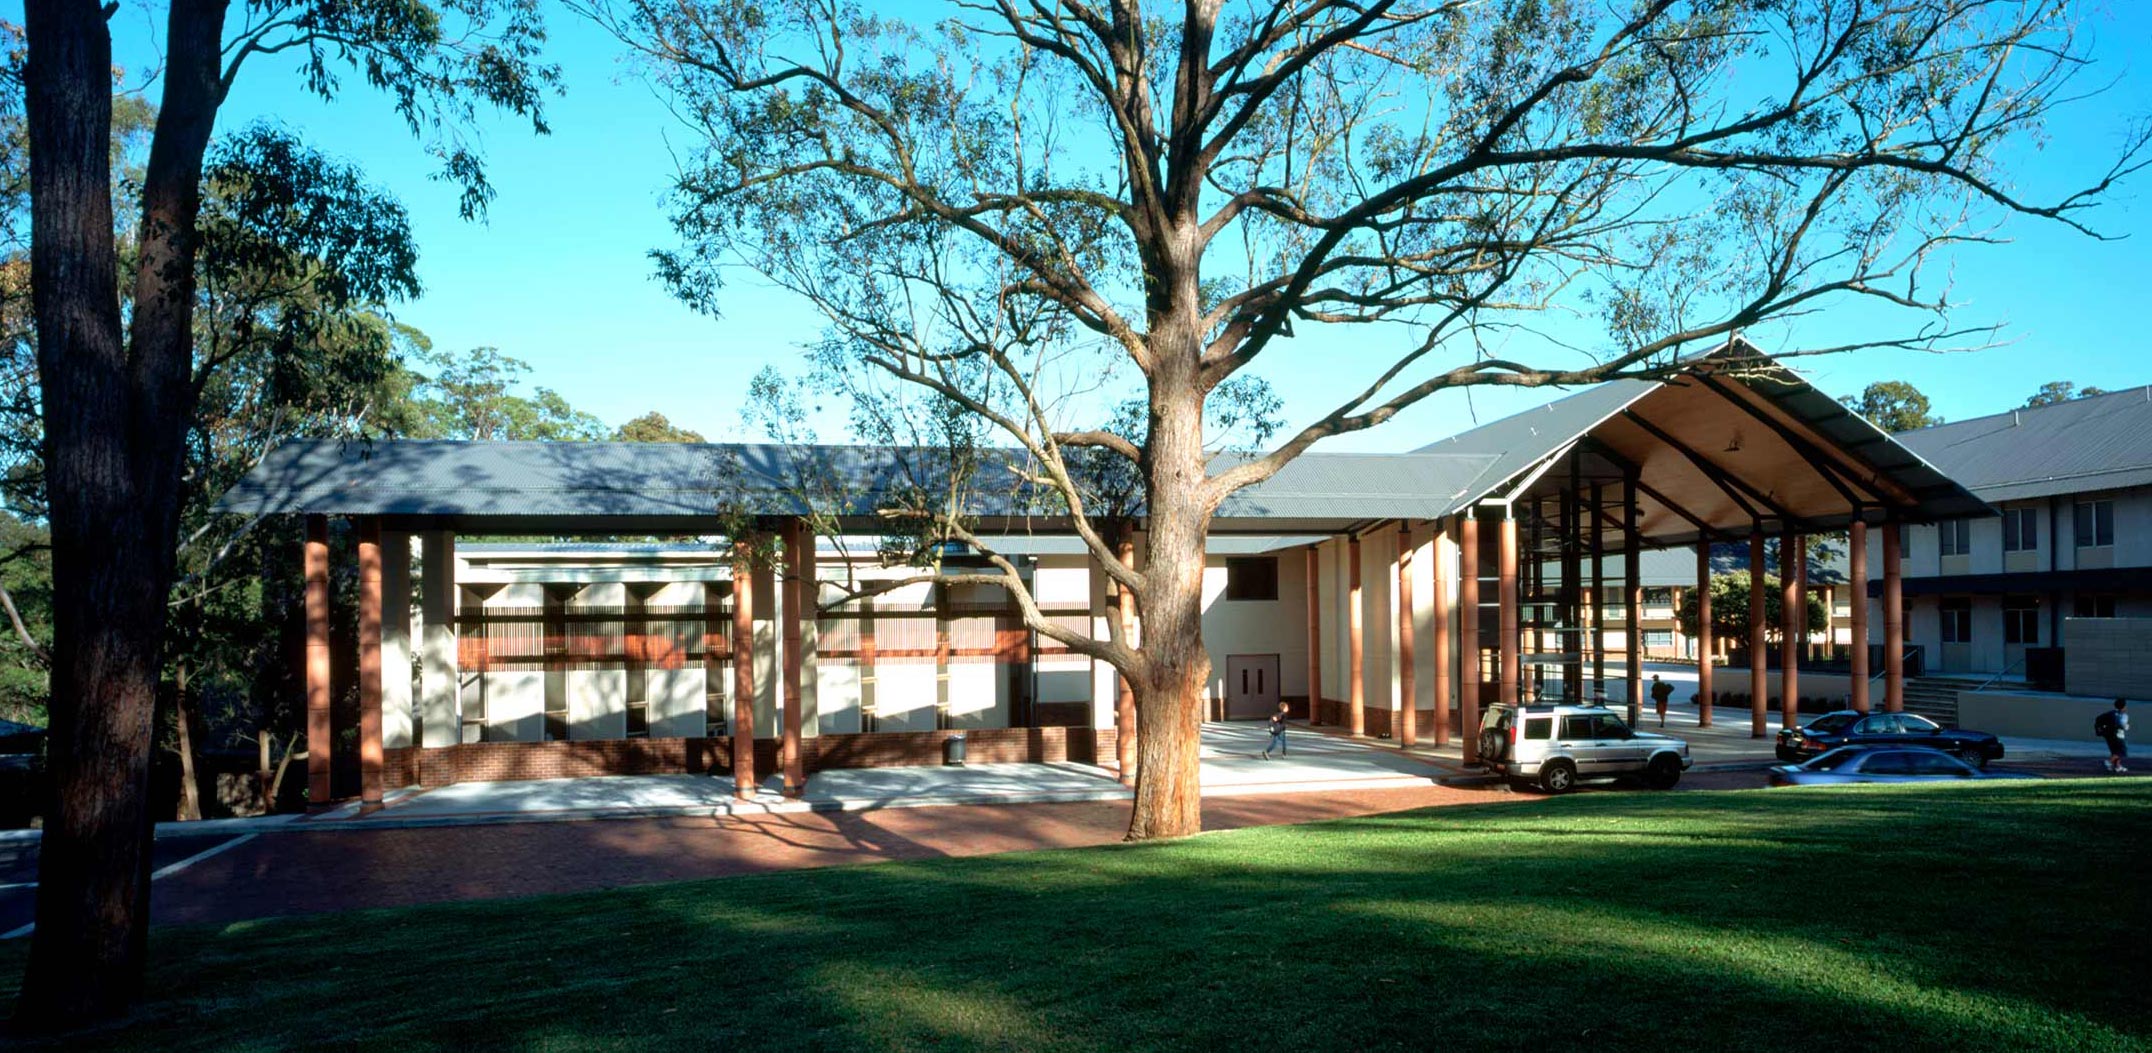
2006, 672
1910, 649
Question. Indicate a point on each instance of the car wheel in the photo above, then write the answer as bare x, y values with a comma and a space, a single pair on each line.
1976, 757
1493, 746
1663, 772
1559, 776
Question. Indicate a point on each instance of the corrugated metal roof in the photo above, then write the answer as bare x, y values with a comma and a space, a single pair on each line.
677, 482
2099, 443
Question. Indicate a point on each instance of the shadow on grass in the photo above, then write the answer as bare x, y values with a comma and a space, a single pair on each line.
1977, 918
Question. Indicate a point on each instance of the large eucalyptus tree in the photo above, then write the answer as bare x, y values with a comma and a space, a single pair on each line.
119, 379
997, 202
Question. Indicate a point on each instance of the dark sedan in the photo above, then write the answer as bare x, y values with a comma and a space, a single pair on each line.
1865, 764
1850, 728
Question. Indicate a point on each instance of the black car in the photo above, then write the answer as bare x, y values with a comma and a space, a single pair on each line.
1851, 728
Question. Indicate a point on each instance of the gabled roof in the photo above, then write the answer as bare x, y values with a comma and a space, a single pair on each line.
1733, 441
2099, 443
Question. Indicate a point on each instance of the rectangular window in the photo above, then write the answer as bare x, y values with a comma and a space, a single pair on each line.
2089, 605
1957, 621
554, 619
2095, 524
1251, 578
2021, 621
1659, 637
1956, 536
2021, 529
1539, 728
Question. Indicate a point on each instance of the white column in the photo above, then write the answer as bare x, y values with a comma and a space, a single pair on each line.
395, 639
440, 719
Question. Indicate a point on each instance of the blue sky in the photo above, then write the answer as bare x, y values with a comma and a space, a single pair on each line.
558, 275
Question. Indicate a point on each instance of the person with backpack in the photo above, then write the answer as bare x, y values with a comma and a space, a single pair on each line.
1277, 733
1660, 692
2114, 726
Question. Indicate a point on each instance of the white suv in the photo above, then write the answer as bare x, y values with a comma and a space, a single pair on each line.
1556, 745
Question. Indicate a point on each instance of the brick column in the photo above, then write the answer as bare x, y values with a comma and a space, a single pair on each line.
1469, 672
1703, 632
743, 671
1633, 600
369, 663
1793, 625
320, 736
1355, 641
1857, 656
1408, 716
1893, 624
1439, 626
1759, 656
1506, 593
799, 556
1315, 637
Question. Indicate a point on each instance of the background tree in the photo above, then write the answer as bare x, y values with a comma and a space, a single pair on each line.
653, 427
118, 391
1894, 406
1000, 203
475, 396
2055, 391
1730, 594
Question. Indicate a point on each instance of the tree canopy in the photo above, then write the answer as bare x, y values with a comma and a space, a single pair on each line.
1730, 608
2055, 391
1894, 406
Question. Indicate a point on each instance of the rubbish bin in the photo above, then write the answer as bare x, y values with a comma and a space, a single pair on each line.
953, 751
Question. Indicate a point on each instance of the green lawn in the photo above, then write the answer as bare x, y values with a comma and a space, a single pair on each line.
2008, 916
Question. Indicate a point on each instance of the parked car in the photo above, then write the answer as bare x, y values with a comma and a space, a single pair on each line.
1556, 746
1848, 727
1858, 764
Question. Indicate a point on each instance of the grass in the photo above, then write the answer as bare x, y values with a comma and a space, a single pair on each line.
2010, 916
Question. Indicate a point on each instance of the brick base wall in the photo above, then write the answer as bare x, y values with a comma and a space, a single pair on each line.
516, 761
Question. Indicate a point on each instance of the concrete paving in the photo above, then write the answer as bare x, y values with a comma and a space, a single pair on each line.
1231, 766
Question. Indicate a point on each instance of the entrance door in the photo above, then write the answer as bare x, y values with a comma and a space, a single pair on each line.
1251, 686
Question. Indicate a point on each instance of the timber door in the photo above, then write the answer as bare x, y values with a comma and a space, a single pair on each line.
1251, 686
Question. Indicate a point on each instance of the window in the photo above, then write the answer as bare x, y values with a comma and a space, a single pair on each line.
554, 617
1929, 762
1576, 728
1957, 621
1880, 724
1658, 637
1896, 762
2021, 621
1539, 729
2087, 605
2021, 529
1609, 726
2095, 524
1956, 536
1251, 578
1915, 724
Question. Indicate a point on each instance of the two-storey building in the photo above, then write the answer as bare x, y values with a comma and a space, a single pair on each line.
1993, 595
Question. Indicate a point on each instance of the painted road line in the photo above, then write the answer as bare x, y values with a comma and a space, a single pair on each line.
163, 872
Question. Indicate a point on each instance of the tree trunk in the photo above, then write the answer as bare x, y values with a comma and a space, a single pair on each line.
1169, 687
115, 429
190, 791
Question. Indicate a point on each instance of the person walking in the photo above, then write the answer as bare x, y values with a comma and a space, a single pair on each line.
1277, 733
2114, 726
1660, 692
